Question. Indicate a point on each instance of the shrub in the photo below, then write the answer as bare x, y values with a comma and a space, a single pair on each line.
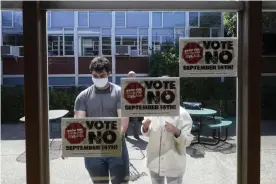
13, 101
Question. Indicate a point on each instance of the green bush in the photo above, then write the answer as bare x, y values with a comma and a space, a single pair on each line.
12, 104
12, 100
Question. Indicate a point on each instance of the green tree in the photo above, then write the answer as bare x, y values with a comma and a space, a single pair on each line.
230, 22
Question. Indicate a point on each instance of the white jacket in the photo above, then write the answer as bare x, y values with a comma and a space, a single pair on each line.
166, 154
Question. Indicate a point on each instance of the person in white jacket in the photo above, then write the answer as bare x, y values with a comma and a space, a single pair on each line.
166, 149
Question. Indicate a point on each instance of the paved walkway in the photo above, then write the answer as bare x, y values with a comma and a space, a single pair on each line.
205, 165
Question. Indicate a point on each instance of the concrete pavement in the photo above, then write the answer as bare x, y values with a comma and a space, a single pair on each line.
205, 164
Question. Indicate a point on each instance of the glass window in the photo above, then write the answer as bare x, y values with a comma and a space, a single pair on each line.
193, 19
90, 46
199, 32
157, 19
179, 32
13, 40
131, 41
143, 45
17, 18
7, 19
21, 51
83, 18
210, 19
106, 45
69, 45
55, 45
216, 32
120, 19
118, 40
269, 33
168, 38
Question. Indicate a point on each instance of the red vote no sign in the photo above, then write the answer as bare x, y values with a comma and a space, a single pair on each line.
192, 53
134, 92
75, 133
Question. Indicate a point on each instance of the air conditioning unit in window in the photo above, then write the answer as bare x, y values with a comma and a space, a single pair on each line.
123, 50
7, 50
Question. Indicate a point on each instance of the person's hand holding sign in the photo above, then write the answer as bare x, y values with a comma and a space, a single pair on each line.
146, 124
171, 128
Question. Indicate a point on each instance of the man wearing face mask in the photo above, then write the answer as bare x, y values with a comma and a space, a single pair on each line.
103, 99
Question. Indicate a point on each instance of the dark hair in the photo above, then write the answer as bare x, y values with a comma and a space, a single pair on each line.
99, 64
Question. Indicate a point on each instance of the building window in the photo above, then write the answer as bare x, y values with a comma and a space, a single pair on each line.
69, 45
90, 46
127, 40
210, 19
216, 32
83, 18
194, 19
199, 32
18, 19
13, 40
130, 41
157, 19
21, 51
55, 45
120, 19
156, 42
106, 45
7, 18
143, 45
269, 33
179, 33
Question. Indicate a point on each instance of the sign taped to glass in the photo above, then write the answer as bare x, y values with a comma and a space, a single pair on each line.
150, 96
91, 137
208, 57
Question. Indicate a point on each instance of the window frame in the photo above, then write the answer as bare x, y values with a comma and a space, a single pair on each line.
19, 13
125, 24
88, 19
221, 16
140, 50
211, 31
81, 46
162, 19
198, 19
12, 25
101, 44
60, 38
64, 45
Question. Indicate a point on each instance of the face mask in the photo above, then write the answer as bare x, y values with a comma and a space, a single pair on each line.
101, 82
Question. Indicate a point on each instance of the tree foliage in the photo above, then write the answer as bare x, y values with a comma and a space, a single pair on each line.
230, 22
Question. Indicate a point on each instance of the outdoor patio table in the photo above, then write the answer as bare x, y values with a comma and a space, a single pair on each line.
200, 113
53, 114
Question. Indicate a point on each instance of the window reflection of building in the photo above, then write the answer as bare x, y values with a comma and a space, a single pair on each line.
90, 46
205, 24
56, 43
